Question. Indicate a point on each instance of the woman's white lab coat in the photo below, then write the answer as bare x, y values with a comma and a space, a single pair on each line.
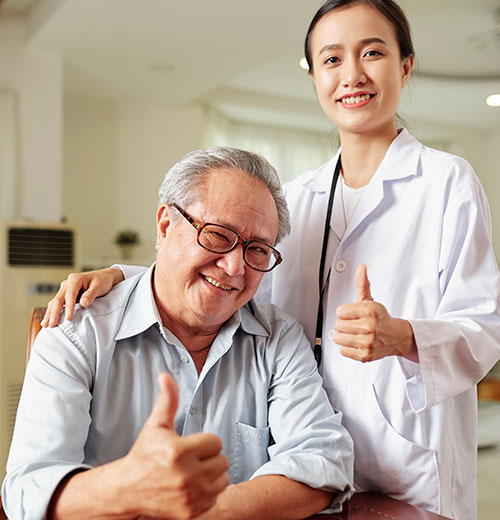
422, 228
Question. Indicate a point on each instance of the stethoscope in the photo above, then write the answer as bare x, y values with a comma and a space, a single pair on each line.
326, 233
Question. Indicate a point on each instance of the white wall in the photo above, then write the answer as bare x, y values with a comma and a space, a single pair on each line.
90, 181
115, 157
36, 80
151, 140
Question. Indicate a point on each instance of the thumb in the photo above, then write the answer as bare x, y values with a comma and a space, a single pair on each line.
163, 413
362, 284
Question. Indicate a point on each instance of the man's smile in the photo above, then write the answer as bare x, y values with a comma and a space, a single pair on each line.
216, 283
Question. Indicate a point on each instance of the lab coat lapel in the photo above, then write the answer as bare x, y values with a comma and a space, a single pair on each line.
321, 186
400, 161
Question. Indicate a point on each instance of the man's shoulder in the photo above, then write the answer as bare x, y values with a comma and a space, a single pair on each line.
107, 309
269, 317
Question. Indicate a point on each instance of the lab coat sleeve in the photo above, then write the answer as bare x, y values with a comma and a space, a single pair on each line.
130, 270
52, 424
311, 445
459, 346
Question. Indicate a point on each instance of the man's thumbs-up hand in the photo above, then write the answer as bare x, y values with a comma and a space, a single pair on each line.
365, 331
163, 413
171, 476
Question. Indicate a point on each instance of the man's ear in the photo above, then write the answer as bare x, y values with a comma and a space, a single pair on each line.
162, 223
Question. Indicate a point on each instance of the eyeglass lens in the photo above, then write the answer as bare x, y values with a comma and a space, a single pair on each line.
221, 240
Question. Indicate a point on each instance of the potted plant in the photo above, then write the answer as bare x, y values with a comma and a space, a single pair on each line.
126, 240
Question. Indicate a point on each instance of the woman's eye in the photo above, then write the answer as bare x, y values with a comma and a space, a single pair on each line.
373, 53
332, 59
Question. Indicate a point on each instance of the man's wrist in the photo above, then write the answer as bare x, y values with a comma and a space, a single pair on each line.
117, 274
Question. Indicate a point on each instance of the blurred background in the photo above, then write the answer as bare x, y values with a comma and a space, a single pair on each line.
98, 98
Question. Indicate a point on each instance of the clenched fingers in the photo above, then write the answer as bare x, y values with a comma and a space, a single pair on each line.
204, 445
363, 326
351, 311
214, 467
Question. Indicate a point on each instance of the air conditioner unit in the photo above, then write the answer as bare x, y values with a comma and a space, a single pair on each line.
34, 258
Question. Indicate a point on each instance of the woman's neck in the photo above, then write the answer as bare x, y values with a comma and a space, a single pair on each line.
361, 156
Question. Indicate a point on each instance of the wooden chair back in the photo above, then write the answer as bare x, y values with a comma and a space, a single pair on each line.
36, 317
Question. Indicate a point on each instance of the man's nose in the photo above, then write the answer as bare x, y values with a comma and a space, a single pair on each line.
353, 74
232, 262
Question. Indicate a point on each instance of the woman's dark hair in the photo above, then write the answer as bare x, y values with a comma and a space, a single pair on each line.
388, 8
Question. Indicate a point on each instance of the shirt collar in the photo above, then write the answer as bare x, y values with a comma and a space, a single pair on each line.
141, 313
249, 320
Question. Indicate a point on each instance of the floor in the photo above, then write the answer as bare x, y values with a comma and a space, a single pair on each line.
488, 483
488, 459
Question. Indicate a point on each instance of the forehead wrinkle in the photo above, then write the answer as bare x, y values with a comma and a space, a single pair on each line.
233, 228
239, 227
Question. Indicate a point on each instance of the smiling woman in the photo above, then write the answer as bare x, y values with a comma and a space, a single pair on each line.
419, 221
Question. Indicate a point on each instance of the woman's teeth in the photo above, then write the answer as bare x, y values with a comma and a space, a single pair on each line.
355, 99
217, 284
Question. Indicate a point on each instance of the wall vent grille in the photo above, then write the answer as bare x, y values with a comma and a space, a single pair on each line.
41, 247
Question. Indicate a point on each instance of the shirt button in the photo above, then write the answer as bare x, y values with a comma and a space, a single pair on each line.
341, 266
192, 411
184, 359
331, 334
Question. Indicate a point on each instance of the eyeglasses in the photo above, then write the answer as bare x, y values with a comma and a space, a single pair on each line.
221, 239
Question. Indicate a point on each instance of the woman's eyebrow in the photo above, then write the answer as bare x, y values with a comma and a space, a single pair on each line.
364, 41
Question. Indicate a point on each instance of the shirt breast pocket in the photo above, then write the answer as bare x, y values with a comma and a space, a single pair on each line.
248, 452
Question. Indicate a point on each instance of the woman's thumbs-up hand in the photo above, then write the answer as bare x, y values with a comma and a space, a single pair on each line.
365, 331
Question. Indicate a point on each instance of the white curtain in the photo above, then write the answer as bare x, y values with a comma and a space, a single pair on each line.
290, 151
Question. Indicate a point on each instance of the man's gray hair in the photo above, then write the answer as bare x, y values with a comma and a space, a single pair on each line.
183, 182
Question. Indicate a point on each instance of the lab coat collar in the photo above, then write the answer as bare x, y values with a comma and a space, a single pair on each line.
400, 161
320, 180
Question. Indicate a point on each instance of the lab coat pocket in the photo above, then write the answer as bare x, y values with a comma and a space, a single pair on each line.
249, 451
384, 460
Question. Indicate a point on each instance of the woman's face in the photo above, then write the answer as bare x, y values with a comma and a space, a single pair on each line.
357, 70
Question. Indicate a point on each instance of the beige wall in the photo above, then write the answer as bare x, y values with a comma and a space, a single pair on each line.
36, 80
115, 154
115, 157
90, 182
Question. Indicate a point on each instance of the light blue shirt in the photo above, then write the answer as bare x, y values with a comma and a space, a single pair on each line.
91, 384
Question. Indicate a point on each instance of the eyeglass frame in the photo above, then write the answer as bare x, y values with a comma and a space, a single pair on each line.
199, 228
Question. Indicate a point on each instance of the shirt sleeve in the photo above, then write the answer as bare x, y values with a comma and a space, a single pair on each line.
130, 270
52, 423
462, 343
311, 445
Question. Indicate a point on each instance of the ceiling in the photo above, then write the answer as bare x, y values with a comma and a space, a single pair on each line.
242, 56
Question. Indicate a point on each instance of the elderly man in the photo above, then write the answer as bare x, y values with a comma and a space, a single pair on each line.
91, 442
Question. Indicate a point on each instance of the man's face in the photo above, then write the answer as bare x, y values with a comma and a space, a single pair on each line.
195, 288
